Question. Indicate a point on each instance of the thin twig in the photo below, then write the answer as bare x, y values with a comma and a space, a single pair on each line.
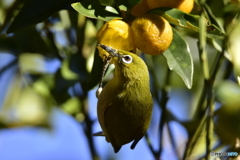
192, 141
216, 66
163, 104
156, 156
208, 115
172, 140
10, 64
50, 37
88, 126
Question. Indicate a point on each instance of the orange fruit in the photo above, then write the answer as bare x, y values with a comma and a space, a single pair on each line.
152, 34
116, 34
183, 5
140, 9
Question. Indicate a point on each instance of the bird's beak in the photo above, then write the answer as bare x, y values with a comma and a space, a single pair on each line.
111, 51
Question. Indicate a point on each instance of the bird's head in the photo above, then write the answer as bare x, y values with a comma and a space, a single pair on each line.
128, 64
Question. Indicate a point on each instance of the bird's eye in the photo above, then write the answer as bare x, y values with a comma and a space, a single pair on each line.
127, 59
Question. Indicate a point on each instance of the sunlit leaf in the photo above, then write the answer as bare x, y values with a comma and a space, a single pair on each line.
32, 108
199, 148
23, 106
72, 105
227, 116
228, 93
179, 58
93, 9
43, 85
179, 18
66, 72
32, 63
234, 34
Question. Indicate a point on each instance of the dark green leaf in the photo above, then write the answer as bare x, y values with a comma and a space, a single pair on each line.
10, 44
179, 18
106, 2
23, 41
134, 2
9, 14
93, 9
60, 90
30, 44
77, 64
232, 8
72, 71
96, 73
35, 11
127, 3
179, 58
212, 19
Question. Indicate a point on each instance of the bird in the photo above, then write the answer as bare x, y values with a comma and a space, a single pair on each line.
125, 103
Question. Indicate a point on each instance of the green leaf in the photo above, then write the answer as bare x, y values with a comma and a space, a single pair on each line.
127, 3
179, 58
24, 38
61, 86
35, 11
77, 64
24, 106
234, 38
189, 21
93, 9
73, 71
232, 8
134, 2
32, 63
72, 105
212, 17
96, 73
106, 2
228, 93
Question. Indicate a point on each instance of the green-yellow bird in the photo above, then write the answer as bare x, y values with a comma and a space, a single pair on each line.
125, 103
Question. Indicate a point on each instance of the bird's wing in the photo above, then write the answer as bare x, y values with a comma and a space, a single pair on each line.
110, 126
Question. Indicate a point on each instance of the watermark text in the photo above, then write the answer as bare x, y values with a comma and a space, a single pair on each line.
220, 154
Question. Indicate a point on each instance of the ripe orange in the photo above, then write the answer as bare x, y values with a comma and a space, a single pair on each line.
140, 9
183, 5
116, 34
152, 34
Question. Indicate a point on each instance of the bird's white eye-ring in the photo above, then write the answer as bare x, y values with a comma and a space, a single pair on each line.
127, 59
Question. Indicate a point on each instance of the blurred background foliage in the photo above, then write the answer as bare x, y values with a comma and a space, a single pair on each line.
48, 60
